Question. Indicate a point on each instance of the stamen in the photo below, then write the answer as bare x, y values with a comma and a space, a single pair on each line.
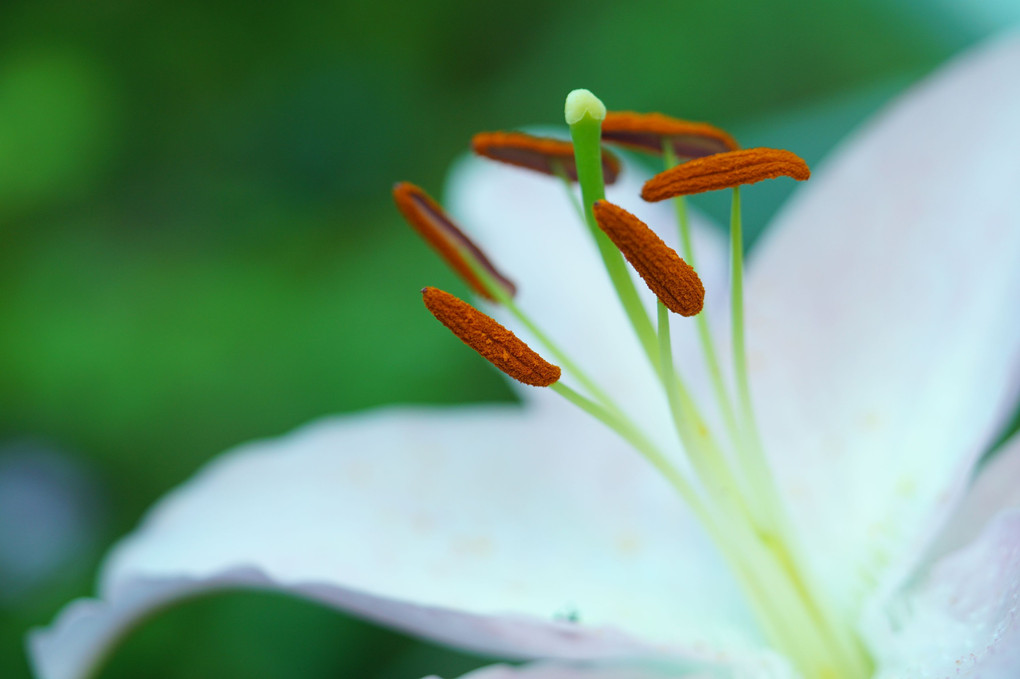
725, 171
549, 156
495, 343
650, 132
432, 223
667, 275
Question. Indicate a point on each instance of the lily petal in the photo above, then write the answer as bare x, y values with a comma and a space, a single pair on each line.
548, 670
770, 666
526, 223
995, 489
960, 619
973, 587
884, 340
475, 527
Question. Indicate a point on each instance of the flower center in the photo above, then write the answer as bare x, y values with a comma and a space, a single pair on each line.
729, 486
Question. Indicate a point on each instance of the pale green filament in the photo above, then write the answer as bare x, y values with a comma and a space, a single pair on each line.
568, 185
751, 451
725, 536
587, 134
501, 296
737, 317
560, 356
701, 320
694, 435
628, 431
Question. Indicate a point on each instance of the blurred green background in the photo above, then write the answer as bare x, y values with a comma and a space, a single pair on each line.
197, 244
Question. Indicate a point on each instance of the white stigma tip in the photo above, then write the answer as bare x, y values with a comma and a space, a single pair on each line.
581, 103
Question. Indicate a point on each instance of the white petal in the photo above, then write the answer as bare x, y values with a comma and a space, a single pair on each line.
476, 527
960, 619
548, 670
527, 225
883, 321
995, 489
772, 667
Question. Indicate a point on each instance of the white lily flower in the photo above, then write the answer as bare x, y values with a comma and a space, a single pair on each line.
883, 324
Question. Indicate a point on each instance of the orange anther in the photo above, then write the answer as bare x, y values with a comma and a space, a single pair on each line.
649, 132
439, 231
495, 343
672, 279
725, 171
550, 156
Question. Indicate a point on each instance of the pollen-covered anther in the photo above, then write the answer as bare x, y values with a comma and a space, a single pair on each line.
430, 221
725, 171
541, 154
650, 132
495, 343
672, 279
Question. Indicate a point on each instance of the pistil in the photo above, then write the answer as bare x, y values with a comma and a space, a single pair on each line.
584, 113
